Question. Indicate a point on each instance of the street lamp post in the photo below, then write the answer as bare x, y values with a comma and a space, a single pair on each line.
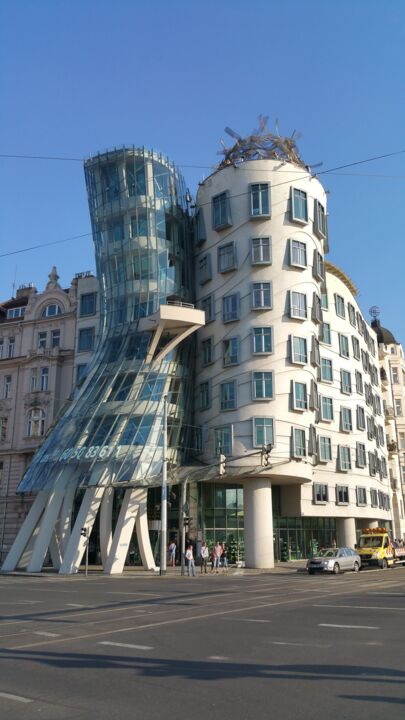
163, 503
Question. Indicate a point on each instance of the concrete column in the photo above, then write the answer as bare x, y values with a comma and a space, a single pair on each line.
26, 532
119, 546
259, 550
142, 531
372, 524
77, 542
106, 523
346, 532
47, 528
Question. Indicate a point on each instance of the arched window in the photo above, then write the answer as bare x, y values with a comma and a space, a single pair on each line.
36, 422
51, 310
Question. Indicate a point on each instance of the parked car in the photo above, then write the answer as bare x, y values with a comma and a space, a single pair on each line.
334, 560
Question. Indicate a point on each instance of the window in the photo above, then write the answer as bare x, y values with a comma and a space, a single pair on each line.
298, 305
228, 395
324, 300
361, 457
3, 431
208, 306
42, 339
260, 200
262, 296
398, 407
204, 269
262, 385
395, 378
325, 449
373, 497
299, 352
326, 409
316, 314
263, 431
33, 380
356, 348
342, 491
361, 418
205, 395
298, 254
370, 427
352, 314
300, 397
343, 346
315, 355
110, 182
36, 423
325, 333
326, 370
207, 351
1, 348
226, 257
340, 306
262, 340
88, 304
116, 228
365, 360
372, 465
51, 310
10, 347
223, 440
200, 233
346, 421
314, 396
80, 372
298, 443
261, 251
402, 441
320, 220
55, 338
345, 382
230, 351
86, 339
139, 226
44, 378
299, 208
135, 174
13, 313
7, 386
318, 271
320, 494
230, 308
221, 211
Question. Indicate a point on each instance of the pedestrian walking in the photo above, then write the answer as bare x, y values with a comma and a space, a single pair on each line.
204, 553
224, 558
172, 553
190, 561
217, 556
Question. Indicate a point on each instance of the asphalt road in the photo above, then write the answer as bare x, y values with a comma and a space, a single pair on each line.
237, 646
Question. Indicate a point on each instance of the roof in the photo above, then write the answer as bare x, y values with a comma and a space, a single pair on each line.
337, 272
384, 336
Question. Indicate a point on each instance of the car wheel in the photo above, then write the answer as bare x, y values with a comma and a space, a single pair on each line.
383, 564
356, 567
336, 569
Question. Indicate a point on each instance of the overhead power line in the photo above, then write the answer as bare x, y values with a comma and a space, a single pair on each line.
42, 245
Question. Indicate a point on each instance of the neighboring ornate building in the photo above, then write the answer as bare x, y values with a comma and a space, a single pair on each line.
46, 340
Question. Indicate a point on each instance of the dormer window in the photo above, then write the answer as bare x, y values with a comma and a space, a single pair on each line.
51, 310
17, 312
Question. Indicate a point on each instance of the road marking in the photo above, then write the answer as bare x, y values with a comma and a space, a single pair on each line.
352, 627
46, 634
297, 644
362, 607
18, 698
116, 592
75, 605
127, 645
387, 594
217, 657
253, 620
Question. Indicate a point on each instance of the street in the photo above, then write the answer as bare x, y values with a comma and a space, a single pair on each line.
246, 645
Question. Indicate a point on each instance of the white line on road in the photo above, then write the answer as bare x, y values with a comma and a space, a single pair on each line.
46, 634
19, 698
127, 645
253, 620
217, 657
297, 644
75, 605
352, 627
362, 607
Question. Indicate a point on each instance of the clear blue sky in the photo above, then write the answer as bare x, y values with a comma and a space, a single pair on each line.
79, 76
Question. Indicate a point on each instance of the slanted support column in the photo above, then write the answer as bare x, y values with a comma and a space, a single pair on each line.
258, 511
346, 532
26, 532
66, 516
122, 534
142, 531
106, 523
77, 542
47, 529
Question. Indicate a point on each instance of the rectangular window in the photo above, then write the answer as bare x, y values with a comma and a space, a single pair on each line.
356, 348
398, 407
136, 180
230, 351
326, 409
226, 257
395, 378
345, 382
55, 338
343, 346
86, 339
221, 211
262, 340
361, 457
261, 251
10, 347
340, 306
262, 385
80, 372
326, 370
3, 433
316, 314
205, 395
298, 305
298, 443
315, 355
33, 379
110, 182
402, 441
230, 308
260, 200
44, 378
352, 314
325, 333
300, 396
88, 304
325, 449
320, 220
263, 431
361, 418
299, 205
346, 422
324, 300
228, 395
320, 494
13, 313
372, 465
207, 351
204, 269
298, 253
342, 491
299, 352
262, 296
42, 338
373, 497
223, 440
318, 271
208, 306
116, 231
365, 360
1, 348
7, 386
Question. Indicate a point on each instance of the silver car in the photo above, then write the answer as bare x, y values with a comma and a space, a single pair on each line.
334, 560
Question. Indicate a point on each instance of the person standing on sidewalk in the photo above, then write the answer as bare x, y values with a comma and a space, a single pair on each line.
172, 551
217, 556
204, 552
224, 558
190, 561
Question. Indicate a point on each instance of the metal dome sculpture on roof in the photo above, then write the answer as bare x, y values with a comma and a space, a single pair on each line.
261, 144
